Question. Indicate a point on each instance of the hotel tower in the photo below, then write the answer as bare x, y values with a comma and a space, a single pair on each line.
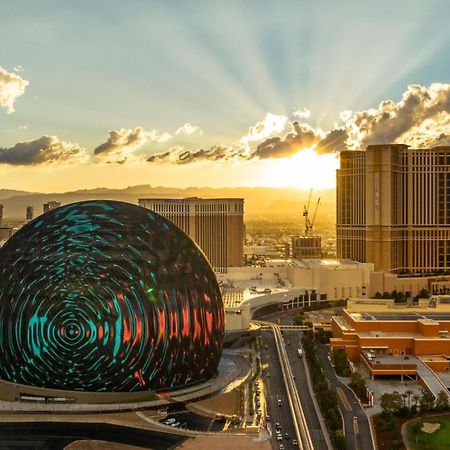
393, 208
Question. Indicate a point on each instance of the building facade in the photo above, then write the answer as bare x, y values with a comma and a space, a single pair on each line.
306, 247
393, 208
29, 213
46, 207
216, 225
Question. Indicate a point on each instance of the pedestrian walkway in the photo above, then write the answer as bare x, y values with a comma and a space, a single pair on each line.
232, 371
431, 380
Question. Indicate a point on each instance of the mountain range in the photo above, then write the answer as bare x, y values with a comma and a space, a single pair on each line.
259, 201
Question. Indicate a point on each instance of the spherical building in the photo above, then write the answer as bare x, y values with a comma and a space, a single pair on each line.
107, 296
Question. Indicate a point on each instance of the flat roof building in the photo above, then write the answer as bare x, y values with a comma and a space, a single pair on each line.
393, 339
215, 224
46, 207
393, 208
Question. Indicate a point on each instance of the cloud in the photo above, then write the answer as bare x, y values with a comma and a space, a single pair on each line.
11, 87
180, 155
302, 113
188, 128
401, 122
271, 126
44, 150
420, 119
300, 138
121, 143
18, 68
156, 136
334, 141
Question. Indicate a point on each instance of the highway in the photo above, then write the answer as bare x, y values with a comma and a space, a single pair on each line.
292, 341
299, 421
56, 436
273, 379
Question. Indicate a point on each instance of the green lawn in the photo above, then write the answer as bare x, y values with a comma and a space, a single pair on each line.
439, 440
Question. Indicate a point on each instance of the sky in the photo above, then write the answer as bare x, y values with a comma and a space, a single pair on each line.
210, 93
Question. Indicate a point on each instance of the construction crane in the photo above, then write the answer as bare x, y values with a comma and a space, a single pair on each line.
309, 223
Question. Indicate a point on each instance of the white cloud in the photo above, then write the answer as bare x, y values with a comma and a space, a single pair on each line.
188, 128
11, 87
345, 115
156, 136
302, 113
18, 68
271, 126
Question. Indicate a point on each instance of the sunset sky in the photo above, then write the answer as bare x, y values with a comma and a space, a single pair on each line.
208, 93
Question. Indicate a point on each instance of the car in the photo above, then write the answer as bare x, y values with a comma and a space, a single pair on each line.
286, 436
279, 437
279, 403
268, 374
294, 442
266, 346
281, 447
175, 424
278, 426
170, 420
267, 418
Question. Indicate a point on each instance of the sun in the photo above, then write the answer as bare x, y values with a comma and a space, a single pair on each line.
305, 170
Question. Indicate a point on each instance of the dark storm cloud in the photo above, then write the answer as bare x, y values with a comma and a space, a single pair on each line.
44, 150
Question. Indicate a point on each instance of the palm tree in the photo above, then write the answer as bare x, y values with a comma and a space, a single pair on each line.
404, 396
409, 392
416, 398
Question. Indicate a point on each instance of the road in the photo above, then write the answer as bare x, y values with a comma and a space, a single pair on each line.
56, 436
357, 430
292, 341
191, 421
275, 389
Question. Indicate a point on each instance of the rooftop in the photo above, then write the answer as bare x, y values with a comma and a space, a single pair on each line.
413, 316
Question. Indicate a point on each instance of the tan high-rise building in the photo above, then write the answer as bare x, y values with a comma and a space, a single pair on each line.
393, 208
46, 207
215, 224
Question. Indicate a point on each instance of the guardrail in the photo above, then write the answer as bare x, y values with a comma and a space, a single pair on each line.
299, 420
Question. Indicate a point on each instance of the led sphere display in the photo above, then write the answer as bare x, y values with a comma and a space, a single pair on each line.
107, 296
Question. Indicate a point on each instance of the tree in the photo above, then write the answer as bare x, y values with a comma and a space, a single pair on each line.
426, 401
386, 295
341, 363
298, 319
409, 392
391, 403
358, 384
339, 440
416, 429
378, 295
442, 401
424, 293
416, 398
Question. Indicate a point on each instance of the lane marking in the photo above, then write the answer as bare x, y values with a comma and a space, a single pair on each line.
342, 396
355, 425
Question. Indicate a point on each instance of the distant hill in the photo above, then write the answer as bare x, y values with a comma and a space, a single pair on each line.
6, 193
259, 201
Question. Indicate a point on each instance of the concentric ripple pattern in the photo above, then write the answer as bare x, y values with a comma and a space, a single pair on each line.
107, 296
